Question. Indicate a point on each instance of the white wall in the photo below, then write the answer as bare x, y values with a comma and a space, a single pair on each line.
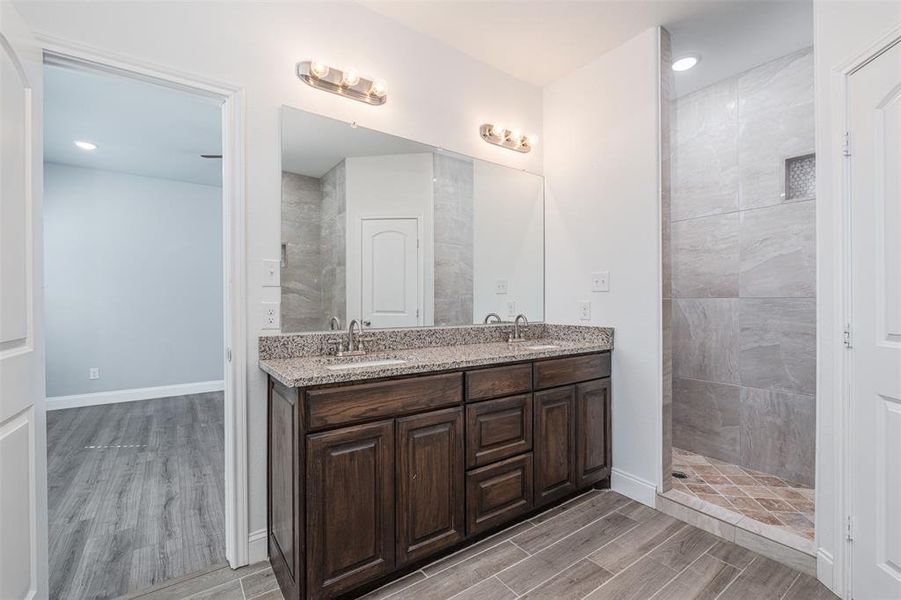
600, 146
842, 31
398, 185
437, 95
508, 231
133, 272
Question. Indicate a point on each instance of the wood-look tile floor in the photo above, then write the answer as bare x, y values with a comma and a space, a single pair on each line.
765, 498
135, 494
599, 546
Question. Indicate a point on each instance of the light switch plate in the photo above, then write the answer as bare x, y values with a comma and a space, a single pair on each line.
271, 273
600, 281
271, 315
501, 286
511, 308
94, 373
585, 311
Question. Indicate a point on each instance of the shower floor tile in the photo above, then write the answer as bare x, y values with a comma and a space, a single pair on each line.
760, 496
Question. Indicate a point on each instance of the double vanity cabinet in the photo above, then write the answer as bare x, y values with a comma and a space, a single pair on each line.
370, 478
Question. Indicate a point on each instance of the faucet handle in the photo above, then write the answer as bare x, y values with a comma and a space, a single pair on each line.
332, 346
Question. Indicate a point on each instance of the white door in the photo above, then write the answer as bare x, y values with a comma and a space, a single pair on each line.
23, 473
875, 167
390, 278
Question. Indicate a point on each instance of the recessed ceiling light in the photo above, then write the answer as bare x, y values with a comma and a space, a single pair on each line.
85, 145
686, 62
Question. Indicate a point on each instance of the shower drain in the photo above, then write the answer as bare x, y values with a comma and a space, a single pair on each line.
679, 475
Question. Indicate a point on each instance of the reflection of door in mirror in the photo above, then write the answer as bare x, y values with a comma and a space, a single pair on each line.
390, 282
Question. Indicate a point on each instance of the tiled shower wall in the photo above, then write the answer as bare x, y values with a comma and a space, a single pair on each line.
314, 212
453, 200
743, 271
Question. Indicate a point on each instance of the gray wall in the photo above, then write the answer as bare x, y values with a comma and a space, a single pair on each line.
314, 222
333, 243
453, 240
133, 272
301, 271
743, 272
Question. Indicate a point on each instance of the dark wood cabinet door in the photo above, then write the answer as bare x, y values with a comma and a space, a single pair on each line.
285, 464
350, 507
593, 448
430, 490
555, 435
498, 429
498, 493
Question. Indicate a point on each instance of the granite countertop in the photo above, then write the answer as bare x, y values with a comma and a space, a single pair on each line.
304, 371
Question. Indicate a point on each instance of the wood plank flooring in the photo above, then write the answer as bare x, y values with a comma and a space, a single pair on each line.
603, 546
599, 546
135, 493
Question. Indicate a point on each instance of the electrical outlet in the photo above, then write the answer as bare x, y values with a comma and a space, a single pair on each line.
501, 286
585, 311
271, 315
94, 373
511, 308
271, 273
600, 281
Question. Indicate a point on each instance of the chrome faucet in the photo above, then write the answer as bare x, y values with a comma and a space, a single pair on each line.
497, 318
517, 333
334, 324
352, 348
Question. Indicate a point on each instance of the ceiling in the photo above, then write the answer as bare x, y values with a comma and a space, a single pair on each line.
313, 144
539, 41
139, 127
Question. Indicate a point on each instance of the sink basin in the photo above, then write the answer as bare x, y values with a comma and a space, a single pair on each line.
365, 364
542, 347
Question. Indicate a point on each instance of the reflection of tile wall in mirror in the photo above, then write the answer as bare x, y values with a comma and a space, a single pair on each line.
477, 224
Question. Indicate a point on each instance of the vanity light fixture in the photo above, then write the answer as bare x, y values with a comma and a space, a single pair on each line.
88, 146
344, 82
497, 134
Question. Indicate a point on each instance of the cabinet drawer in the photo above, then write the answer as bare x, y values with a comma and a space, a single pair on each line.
498, 493
498, 429
498, 381
353, 403
563, 371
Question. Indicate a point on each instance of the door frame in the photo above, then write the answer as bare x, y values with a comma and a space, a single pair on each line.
420, 260
237, 535
834, 453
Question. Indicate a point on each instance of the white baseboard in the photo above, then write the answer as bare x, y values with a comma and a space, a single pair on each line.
257, 546
149, 393
636, 488
826, 569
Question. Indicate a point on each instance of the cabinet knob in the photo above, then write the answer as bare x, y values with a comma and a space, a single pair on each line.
414, 475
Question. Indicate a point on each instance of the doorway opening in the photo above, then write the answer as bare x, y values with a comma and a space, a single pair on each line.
739, 260
136, 310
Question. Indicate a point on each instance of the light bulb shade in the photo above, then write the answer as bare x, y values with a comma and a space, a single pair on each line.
318, 69
499, 131
378, 88
532, 139
516, 137
350, 77
685, 63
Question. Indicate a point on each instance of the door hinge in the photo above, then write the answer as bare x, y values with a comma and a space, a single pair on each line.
228, 354
846, 336
846, 144
849, 529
